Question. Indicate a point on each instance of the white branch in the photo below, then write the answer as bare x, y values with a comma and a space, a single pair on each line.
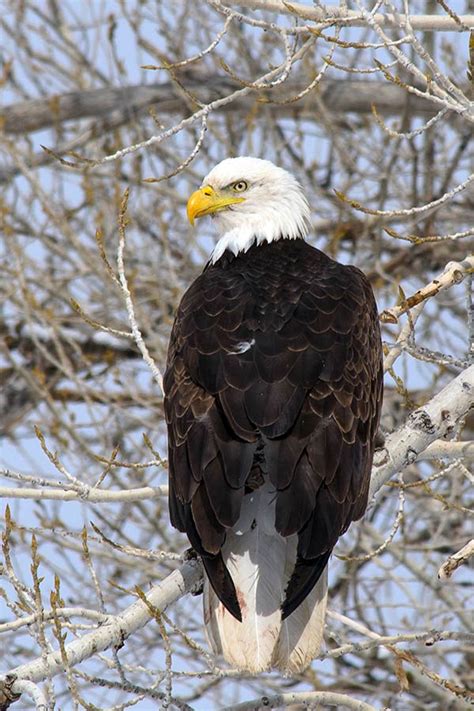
343, 17
62, 612
307, 698
430, 422
23, 686
91, 496
453, 273
455, 560
429, 637
453, 450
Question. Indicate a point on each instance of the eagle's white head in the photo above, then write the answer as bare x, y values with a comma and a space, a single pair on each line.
251, 200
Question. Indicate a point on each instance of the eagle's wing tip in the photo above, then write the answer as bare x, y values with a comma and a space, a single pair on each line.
305, 576
222, 584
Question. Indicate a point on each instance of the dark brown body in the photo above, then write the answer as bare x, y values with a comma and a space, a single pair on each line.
274, 370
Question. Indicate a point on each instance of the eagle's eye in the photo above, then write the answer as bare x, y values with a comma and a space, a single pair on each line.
240, 186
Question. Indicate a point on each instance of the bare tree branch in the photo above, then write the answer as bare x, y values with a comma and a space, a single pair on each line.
115, 632
310, 698
345, 18
437, 418
454, 561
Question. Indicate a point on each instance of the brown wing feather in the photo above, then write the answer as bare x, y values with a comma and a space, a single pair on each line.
274, 367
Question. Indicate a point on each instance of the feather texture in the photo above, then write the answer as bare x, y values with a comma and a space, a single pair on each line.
255, 556
261, 563
301, 633
273, 390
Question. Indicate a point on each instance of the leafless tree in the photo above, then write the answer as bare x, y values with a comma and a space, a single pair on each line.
112, 113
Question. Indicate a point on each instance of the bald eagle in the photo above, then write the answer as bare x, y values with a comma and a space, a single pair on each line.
273, 389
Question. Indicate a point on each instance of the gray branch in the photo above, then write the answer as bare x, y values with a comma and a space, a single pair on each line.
339, 96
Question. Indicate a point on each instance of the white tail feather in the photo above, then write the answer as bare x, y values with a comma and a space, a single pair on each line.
260, 562
301, 634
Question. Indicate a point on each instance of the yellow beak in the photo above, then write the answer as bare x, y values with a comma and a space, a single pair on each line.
206, 201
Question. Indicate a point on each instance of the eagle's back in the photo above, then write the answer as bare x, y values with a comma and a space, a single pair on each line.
273, 389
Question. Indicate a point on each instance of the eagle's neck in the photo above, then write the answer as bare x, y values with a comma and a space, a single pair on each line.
239, 241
